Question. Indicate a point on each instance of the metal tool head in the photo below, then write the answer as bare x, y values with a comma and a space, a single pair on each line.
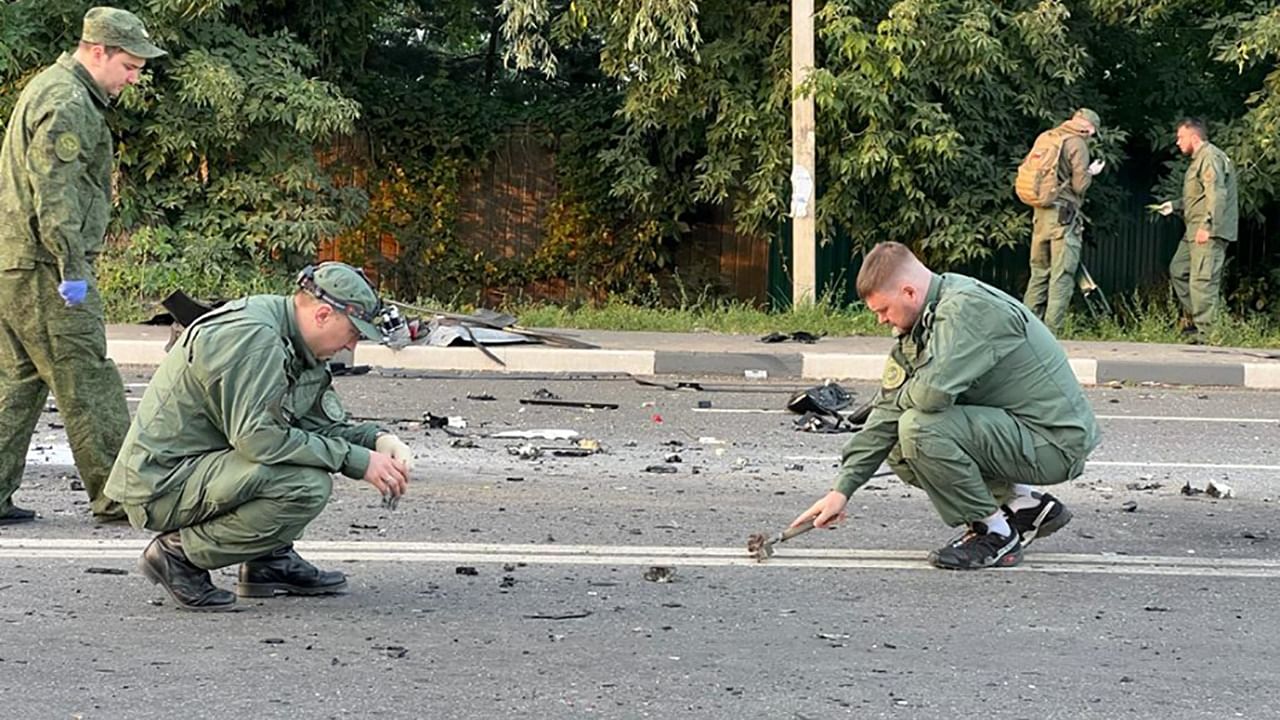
390, 502
760, 546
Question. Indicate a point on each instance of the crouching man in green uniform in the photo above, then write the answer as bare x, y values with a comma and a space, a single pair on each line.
230, 453
977, 406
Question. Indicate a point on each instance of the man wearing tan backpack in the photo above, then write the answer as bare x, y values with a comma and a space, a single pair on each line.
1053, 179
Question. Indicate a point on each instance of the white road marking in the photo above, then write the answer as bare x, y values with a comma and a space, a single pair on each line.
1150, 418
1098, 463
743, 411
1198, 466
1180, 418
432, 552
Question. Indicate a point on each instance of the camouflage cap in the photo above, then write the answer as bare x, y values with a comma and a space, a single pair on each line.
348, 290
1091, 116
114, 27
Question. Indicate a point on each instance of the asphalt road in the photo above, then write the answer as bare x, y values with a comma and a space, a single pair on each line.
1151, 604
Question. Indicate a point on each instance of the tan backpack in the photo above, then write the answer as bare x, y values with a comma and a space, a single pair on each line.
1037, 183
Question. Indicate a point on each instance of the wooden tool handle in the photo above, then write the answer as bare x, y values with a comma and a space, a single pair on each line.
800, 529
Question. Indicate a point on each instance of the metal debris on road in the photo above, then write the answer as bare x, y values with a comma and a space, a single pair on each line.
466, 570
1219, 490
390, 501
660, 574
542, 434
525, 452
760, 546
661, 469
1213, 489
105, 571
558, 616
583, 404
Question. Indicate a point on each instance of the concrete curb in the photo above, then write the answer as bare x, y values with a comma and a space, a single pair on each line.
791, 366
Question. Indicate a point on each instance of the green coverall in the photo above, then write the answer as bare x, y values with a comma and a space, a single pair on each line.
236, 437
1208, 201
978, 396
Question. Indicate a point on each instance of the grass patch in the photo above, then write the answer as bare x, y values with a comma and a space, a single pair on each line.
1136, 318
718, 317
1153, 318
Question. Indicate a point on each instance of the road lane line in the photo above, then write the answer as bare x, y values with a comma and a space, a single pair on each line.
1192, 419
1153, 418
622, 555
1097, 463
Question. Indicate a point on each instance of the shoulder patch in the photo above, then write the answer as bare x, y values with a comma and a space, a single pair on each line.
67, 146
894, 375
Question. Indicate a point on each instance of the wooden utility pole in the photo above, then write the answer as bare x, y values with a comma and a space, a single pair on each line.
803, 158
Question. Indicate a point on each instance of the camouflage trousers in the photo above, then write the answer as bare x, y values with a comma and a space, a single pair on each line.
967, 459
1055, 255
231, 509
46, 345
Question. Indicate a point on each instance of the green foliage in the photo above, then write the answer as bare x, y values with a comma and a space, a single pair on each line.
654, 111
924, 106
430, 131
924, 109
218, 186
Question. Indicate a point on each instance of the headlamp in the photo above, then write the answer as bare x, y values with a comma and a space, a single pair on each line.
386, 317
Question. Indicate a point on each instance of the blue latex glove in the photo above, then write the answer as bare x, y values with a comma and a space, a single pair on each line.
73, 291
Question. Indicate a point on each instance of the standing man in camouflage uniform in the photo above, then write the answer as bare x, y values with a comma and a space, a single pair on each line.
230, 453
1210, 210
1057, 231
977, 405
55, 199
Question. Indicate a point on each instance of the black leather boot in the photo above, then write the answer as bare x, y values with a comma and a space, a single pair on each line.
15, 515
284, 572
165, 563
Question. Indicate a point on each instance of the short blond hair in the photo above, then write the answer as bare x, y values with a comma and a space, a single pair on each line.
882, 266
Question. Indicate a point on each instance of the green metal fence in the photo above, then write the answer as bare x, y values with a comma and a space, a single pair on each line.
1136, 255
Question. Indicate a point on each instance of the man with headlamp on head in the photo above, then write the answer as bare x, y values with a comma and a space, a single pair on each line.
230, 453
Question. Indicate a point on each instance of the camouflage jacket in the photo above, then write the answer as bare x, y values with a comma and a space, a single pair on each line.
55, 173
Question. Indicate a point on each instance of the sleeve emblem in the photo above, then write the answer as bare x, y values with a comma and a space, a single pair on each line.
893, 376
67, 147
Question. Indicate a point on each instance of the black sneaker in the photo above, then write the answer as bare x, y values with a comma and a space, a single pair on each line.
16, 515
1040, 521
979, 548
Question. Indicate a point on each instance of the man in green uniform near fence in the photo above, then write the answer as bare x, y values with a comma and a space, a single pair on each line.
977, 406
230, 453
1057, 231
55, 199
1210, 210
